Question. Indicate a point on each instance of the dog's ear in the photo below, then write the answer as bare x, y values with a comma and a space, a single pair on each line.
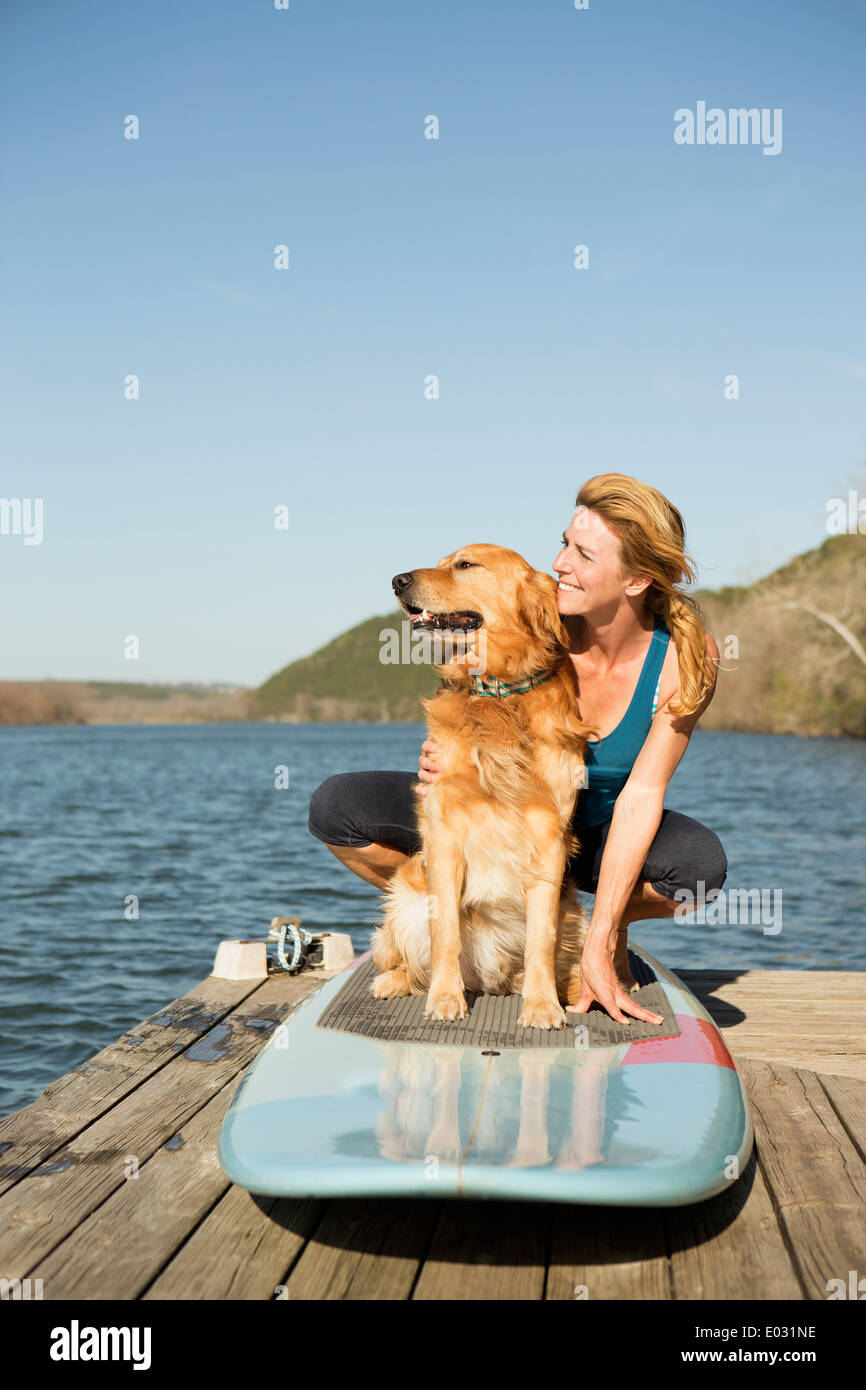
536, 602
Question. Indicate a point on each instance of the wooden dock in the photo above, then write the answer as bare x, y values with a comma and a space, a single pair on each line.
110, 1186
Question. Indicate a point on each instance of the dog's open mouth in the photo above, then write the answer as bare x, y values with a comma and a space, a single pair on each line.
444, 622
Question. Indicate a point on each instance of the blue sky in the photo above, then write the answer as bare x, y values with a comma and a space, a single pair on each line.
408, 257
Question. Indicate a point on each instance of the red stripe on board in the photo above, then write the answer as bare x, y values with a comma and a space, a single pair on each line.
698, 1041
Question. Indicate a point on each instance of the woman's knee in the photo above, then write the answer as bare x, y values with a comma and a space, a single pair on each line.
693, 861
361, 808
709, 865
328, 819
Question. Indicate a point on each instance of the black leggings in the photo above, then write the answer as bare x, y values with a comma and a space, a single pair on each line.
357, 808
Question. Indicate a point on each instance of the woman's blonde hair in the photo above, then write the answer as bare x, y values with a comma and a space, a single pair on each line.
652, 538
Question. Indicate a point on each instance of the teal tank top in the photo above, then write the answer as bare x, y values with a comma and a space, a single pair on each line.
610, 760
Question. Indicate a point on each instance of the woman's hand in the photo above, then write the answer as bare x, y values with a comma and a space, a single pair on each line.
428, 767
599, 981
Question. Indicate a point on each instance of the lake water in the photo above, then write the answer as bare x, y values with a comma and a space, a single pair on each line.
188, 819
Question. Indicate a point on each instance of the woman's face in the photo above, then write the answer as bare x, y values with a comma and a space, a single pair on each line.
588, 566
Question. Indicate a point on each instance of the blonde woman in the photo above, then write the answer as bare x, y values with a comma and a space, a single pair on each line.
622, 561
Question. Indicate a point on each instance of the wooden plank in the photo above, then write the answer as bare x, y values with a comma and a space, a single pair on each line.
242, 1250
815, 1174
809, 1061
805, 1064
790, 984
30, 1136
848, 1099
731, 1247
488, 1250
608, 1253
778, 1016
365, 1250
779, 1022
36, 1214
121, 1247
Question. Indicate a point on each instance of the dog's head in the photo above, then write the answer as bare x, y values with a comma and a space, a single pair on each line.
494, 612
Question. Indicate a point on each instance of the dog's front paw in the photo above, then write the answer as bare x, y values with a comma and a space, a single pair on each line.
392, 984
542, 1014
446, 1006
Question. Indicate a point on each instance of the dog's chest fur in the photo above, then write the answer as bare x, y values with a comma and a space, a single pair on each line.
517, 750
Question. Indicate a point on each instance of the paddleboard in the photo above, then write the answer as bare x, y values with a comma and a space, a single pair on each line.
354, 1096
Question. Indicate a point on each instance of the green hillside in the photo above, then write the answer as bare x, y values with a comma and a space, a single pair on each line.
346, 680
792, 646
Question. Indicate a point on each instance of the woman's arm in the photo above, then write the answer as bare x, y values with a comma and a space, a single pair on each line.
636, 818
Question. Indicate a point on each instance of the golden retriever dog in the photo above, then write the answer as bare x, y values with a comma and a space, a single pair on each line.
484, 906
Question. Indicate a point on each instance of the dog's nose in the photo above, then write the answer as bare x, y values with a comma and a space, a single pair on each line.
401, 582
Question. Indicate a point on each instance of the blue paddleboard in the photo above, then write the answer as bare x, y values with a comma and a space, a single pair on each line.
359, 1097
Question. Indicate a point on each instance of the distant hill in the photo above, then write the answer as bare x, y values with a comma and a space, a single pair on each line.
801, 633
120, 702
785, 668
347, 680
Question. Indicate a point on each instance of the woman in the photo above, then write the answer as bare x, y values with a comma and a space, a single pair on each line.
621, 561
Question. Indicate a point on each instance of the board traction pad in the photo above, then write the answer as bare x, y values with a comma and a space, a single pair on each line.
492, 1020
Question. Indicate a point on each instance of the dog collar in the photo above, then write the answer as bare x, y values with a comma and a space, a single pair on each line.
498, 689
